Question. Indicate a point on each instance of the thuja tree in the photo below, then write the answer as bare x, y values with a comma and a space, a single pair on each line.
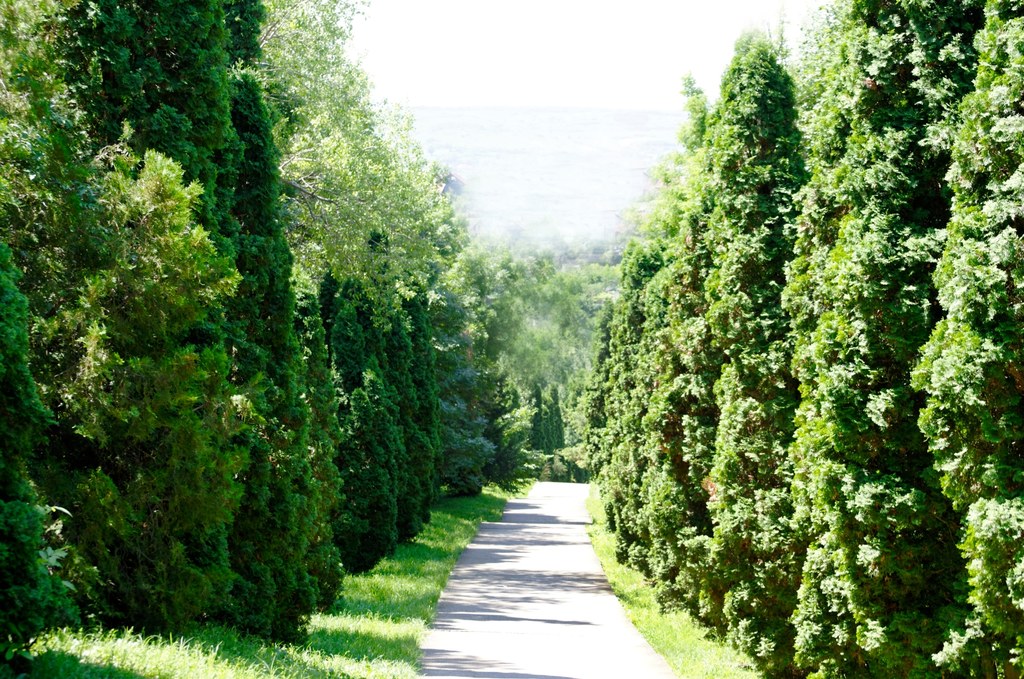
424, 442
876, 592
593, 399
397, 357
971, 367
366, 528
270, 538
318, 391
547, 431
30, 597
679, 427
754, 170
622, 474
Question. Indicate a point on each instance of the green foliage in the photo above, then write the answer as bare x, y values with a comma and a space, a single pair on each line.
354, 175
509, 424
123, 287
224, 452
31, 598
687, 646
142, 460
160, 68
365, 528
659, 404
754, 169
627, 404
876, 590
368, 529
423, 436
273, 594
325, 498
547, 430
970, 367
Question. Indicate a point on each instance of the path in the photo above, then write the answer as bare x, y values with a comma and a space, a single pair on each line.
528, 599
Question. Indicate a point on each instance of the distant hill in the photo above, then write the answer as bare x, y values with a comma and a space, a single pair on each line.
548, 174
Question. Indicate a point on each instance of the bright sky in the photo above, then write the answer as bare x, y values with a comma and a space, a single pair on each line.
553, 53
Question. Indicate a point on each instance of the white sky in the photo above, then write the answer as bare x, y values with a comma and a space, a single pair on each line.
553, 53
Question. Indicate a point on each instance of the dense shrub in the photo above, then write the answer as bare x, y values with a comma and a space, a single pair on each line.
970, 367
876, 590
141, 455
31, 599
754, 170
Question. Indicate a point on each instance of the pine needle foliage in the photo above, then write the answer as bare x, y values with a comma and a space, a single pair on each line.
162, 69
144, 461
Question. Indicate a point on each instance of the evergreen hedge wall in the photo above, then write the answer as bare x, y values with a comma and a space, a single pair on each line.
845, 501
226, 437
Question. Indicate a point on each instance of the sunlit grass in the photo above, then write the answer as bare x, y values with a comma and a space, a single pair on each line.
686, 646
374, 631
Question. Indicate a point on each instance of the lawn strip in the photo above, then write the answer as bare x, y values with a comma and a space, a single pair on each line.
688, 648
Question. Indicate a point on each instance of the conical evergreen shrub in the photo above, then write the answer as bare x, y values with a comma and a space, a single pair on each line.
269, 541
876, 590
754, 171
971, 366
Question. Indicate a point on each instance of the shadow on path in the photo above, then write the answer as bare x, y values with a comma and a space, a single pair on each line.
528, 599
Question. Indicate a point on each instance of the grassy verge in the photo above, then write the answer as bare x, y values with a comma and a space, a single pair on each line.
374, 631
682, 642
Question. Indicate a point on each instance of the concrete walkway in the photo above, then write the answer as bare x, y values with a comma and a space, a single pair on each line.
528, 599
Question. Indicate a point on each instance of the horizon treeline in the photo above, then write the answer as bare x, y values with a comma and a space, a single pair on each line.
805, 408
246, 342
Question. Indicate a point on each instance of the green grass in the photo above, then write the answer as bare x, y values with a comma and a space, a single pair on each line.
690, 652
374, 630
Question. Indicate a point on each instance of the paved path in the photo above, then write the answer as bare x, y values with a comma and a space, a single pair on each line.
528, 599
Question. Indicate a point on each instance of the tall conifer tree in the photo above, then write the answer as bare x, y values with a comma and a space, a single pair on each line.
270, 539
623, 473
325, 500
753, 156
147, 462
882, 539
30, 598
366, 528
679, 427
972, 365
425, 447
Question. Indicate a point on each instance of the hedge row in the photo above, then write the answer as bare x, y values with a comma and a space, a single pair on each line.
227, 421
805, 407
